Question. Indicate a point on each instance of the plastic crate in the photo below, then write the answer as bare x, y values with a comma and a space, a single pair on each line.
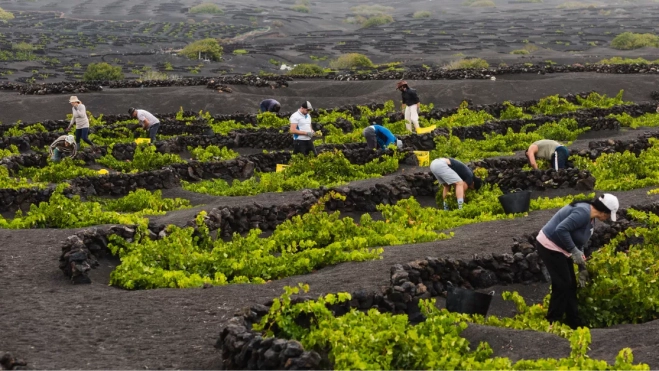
281, 167
424, 157
142, 140
103, 172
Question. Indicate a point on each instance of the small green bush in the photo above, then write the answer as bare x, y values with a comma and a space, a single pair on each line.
575, 5
422, 14
5, 15
210, 47
240, 52
378, 20
102, 71
301, 8
470, 63
307, 69
351, 60
479, 3
520, 52
371, 10
630, 40
619, 60
206, 8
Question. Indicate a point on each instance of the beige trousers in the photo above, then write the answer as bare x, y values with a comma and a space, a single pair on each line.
412, 117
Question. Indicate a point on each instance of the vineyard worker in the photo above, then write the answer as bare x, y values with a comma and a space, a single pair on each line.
551, 150
149, 122
379, 137
450, 171
63, 146
411, 102
302, 131
558, 246
269, 105
81, 120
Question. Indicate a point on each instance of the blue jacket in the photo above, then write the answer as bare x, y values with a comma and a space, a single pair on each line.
384, 136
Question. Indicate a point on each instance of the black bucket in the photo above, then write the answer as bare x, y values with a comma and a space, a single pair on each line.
468, 301
516, 202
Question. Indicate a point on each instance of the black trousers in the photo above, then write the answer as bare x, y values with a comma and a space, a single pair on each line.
563, 301
304, 146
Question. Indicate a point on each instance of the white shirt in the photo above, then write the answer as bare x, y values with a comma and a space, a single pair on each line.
303, 123
142, 115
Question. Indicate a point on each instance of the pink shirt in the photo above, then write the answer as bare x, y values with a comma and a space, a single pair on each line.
546, 242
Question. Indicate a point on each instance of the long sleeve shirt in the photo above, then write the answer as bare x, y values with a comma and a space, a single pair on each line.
60, 143
384, 136
80, 117
409, 97
570, 227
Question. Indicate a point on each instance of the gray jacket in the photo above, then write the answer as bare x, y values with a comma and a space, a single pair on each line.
570, 227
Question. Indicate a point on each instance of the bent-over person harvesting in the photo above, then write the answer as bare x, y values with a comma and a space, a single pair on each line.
451, 172
64, 146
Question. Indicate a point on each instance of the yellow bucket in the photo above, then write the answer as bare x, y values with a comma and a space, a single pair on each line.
426, 130
103, 172
424, 157
281, 167
142, 140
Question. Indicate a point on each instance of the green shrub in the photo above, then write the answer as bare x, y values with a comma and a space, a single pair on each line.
240, 52
479, 3
575, 5
102, 71
209, 47
630, 40
307, 69
350, 60
206, 8
378, 20
520, 52
422, 14
620, 60
301, 8
469, 63
371, 10
5, 15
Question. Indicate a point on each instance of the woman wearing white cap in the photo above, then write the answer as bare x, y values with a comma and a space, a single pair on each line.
81, 120
558, 245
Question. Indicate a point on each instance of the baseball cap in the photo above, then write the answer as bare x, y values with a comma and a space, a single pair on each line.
131, 110
611, 203
307, 105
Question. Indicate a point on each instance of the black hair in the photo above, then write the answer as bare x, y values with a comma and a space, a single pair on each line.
596, 203
276, 108
131, 110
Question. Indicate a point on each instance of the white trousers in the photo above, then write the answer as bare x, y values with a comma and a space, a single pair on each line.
412, 117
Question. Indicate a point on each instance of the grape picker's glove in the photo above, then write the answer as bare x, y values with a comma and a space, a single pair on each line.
578, 257
310, 134
583, 277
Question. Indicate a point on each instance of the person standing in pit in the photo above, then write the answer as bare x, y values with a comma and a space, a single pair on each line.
558, 246
63, 146
379, 137
148, 121
410, 105
548, 149
450, 171
81, 121
269, 105
302, 131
